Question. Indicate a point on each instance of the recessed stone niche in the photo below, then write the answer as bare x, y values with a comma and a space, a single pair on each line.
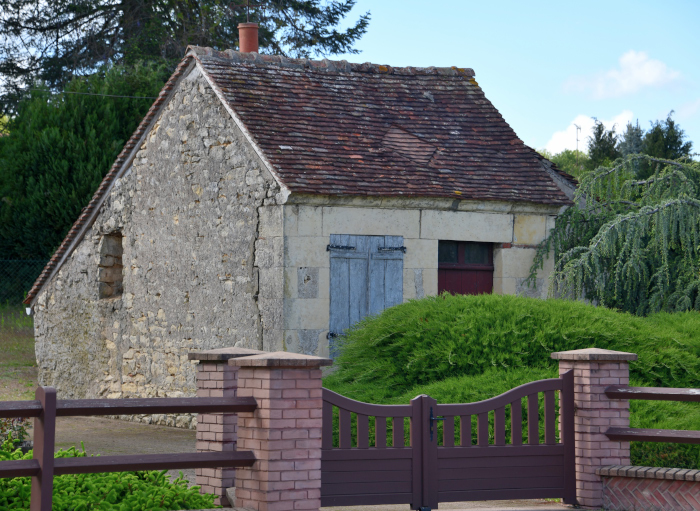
110, 274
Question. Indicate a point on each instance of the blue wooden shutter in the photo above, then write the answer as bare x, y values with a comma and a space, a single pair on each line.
366, 276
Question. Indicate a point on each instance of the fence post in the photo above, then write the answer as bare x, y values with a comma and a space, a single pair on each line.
594, 370
44, 442
284, 431
217, 431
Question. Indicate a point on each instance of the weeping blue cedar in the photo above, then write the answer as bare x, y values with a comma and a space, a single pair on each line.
629, 243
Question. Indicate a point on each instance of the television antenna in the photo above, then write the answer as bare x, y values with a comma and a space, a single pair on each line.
578, 129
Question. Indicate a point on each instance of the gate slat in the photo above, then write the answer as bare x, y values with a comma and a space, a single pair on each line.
549, 418
327, 431
499, 426
465, 430
448, 432
344, 429
482, 429
362, 431
397, 433
380, 432
516, 423
533, 420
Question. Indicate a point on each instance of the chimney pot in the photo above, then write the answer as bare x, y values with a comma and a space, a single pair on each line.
248, 37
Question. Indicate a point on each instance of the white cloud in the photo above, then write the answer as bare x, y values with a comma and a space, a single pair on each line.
636, 72
566, 139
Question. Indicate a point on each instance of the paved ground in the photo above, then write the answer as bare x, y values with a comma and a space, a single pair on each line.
113, 437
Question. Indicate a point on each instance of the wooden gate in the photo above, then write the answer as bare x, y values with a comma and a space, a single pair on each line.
402, 456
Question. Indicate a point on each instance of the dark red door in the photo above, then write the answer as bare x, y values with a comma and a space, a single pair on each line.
465, 267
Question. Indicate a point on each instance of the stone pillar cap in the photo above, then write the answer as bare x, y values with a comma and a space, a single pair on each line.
222, 354
594, 355
280, 359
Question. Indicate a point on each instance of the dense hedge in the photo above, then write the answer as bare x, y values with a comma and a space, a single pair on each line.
461, 349
118, 491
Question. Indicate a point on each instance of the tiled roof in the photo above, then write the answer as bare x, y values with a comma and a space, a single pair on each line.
336, 128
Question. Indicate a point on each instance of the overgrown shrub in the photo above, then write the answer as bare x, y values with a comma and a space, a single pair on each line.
117, 491
467, 348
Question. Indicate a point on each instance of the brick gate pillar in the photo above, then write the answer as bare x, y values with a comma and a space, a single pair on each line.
284, 432
217, 431
594, 370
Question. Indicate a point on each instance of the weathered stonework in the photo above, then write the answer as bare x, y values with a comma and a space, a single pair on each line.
189, 211
197, 247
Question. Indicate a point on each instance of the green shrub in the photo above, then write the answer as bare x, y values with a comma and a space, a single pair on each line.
461, 349
117, 491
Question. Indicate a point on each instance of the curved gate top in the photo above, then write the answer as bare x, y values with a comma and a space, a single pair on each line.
425, 453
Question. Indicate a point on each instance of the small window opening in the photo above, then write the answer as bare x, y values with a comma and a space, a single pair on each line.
465, 267
110, 274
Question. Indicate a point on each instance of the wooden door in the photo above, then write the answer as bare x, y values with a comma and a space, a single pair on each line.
366, 278
465, 267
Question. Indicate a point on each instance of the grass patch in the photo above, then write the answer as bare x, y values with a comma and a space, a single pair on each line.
18, 371
468, 348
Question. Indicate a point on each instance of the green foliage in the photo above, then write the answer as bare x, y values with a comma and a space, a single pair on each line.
54, 41
429, 340
118, 491
665, 140
59, 149
602, 146
570, 161
461, 349
631, 244
13, 430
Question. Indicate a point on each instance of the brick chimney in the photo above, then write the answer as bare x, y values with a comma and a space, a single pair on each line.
248, 37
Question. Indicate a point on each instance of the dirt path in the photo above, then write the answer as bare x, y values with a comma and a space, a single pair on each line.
114, 437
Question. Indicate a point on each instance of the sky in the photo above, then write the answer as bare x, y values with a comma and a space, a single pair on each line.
550, 65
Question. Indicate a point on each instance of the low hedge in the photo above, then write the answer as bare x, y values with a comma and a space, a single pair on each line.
460, 349
117, 491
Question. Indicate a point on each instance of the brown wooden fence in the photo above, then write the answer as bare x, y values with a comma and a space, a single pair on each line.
653, 394
359, 470
46, 408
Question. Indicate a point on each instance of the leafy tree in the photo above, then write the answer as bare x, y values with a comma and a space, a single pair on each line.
631, 244
569, 160
602, 146
54, 41
59, 148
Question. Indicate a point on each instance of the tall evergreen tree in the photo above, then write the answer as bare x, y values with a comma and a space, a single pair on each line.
53, 41
59, 148
602, 146
666, 140
631, 140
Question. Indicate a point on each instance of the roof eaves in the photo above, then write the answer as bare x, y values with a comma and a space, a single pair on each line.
89, 213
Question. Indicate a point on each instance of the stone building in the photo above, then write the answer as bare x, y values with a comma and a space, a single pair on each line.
269, 203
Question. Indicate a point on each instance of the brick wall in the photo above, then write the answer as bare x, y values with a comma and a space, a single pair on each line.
217, 431
628, 488
284, 432
594, 370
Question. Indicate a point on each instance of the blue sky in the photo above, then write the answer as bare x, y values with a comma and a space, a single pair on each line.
547, 65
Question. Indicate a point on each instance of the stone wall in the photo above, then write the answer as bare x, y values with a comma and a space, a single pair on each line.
515, 231
188, 211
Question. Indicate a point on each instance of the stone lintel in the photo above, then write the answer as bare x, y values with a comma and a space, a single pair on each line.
222, 354
594, 355
280, 359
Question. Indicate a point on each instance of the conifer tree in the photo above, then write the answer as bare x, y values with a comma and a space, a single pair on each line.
629, 243
58, 150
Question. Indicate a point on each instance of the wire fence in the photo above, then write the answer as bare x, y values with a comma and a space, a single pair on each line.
17, 277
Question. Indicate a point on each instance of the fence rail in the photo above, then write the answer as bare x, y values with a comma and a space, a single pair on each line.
46, 408
674, 436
